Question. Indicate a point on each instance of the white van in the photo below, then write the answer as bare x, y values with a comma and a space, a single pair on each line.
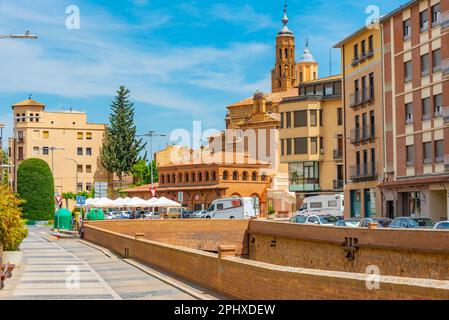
323, 205
233, 208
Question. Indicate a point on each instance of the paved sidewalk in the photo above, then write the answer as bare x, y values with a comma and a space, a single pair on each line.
48, 264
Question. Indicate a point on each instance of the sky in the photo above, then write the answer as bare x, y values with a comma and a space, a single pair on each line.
183, 60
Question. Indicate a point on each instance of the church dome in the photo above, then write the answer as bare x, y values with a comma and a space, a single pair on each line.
306, 56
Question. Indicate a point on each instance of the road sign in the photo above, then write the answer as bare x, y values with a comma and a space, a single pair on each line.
153, 191
101, 189
58, 199
80, 200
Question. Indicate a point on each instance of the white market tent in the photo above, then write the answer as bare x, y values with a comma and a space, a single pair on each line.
163, 202
136, 203
104, 203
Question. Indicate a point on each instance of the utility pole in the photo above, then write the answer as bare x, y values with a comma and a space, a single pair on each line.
151, 134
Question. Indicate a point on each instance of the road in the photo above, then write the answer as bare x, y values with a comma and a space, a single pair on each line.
52, 268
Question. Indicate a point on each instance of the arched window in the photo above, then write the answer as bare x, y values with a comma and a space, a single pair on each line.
235, 175
280, 53
207, 176
180, 177
286, 53
193, 177
168, 178
200, 176
263, 177
225, 175
245, 176
214, 176
254, 176
187, 177
162, 178
173, 178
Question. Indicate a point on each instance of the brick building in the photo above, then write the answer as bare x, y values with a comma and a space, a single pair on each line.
416, 94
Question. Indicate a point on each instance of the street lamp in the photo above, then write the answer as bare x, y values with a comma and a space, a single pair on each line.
76, 173
152, 134
26, 35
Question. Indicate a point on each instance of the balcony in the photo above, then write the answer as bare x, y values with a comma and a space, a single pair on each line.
338, 154
339, 184
446, 114
362, 98
304, 184
355, 61
365, 171
363, 134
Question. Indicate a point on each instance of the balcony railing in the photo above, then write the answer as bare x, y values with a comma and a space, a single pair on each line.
362, 97
304, 184
363, 171
338, 154
339, 184
363, 134
445, 66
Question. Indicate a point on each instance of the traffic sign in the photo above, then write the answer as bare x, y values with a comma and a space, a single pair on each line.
101, 189
80, 200
153, 191
58, 199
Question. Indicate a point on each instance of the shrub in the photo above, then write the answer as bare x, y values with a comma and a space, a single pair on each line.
35, 185
12, 227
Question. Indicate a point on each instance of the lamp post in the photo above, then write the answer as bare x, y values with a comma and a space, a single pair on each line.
76, 173
26, 35
151, 134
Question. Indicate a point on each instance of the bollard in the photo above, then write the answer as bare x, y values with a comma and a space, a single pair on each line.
226, 251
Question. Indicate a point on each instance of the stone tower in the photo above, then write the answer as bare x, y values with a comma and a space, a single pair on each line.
283, 76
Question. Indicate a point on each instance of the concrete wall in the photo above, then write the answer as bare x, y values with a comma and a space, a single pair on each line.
405, 253
245, 279
196, 234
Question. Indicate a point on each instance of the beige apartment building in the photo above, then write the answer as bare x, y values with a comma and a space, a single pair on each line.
65, 140
416, 82
311, 138
361, 54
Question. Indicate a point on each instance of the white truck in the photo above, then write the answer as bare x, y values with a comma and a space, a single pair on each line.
233, 208
323, 205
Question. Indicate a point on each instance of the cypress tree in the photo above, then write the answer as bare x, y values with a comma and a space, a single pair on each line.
121, 147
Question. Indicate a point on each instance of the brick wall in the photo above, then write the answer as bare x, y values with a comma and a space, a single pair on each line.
245, 279
197, 234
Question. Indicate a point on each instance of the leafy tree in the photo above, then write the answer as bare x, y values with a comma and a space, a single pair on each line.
121, 147
12, 227
4, 172
142, 173
68, 196
35, 185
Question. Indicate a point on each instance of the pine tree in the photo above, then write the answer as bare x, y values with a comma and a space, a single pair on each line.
121, 147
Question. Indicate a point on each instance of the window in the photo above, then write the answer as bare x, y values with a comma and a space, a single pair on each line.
424, 20
289, 120
79, 151
315, 205
20, 153
321, 118
35, 151
282, 147
45, 134
88, 168
321, 145
332, 203
37, 117
328, 89
313, 120
339, 116
363, 47
356, 51
425, 64
371, 43
426, 110
407, 29
436, 60
88, 151
438, 105
20, 136
79, 187
313, 145
410, 155
200, 177
79, 136
225, 175
300, 145
254, 176
300, 118
88, 135
409, 113
45, 151
88, 186
282, 120
408, 72
436, 14
263, 177
289, 146
193, 177
79, 168
427, 152
245, 176
235, 176
207, 176
187, 179
439, 151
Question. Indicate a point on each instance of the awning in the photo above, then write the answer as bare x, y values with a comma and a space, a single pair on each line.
415, 182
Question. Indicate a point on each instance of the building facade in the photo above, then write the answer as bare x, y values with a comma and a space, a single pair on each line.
416, 93
361, 55
311, 138
65, 140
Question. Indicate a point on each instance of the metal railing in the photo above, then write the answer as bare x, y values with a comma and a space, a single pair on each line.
339, 184
362, 134
360, 97
338, 154
363, 171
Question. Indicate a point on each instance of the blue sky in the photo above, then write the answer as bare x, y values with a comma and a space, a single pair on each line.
182, 60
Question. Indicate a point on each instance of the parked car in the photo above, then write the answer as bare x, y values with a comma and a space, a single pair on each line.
186, 214
125, 214
442, 225
381, 222
312, 219
353, 223
152, 215
323, 205
201, 214
412, 223
111, 216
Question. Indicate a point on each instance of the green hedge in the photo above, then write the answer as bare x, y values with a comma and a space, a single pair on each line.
35, 185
